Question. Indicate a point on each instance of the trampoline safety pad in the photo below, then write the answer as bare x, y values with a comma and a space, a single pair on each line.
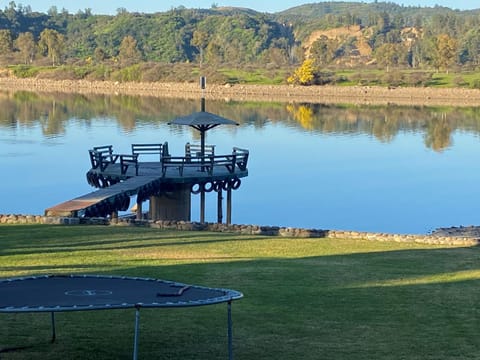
57, 293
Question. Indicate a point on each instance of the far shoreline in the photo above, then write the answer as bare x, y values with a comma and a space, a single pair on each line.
356, 95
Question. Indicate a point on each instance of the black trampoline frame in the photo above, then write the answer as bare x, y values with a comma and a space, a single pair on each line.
228, 297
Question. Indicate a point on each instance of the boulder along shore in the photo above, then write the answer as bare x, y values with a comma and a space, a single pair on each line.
358, 95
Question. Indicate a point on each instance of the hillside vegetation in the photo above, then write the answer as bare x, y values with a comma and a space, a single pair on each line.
230, 44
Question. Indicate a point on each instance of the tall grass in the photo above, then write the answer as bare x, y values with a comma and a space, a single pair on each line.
304, 298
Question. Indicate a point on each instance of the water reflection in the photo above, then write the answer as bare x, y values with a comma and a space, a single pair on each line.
368, 168
54, 111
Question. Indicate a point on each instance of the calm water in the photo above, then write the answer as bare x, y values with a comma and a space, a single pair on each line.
395, 169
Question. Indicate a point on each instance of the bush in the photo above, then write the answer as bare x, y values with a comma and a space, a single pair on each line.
152, 72
475, 84
25, 71
100, 73
365, 79
419, 78
129, 73
393, 78
459, 81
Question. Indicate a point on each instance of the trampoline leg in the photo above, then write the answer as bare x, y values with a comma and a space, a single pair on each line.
230, 333
135, 340
54, 335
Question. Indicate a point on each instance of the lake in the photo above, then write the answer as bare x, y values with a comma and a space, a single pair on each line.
367, 168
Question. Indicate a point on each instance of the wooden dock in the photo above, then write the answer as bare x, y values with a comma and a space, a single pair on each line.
119, 177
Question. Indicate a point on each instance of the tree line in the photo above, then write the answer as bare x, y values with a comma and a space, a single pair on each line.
180, 35
380, 35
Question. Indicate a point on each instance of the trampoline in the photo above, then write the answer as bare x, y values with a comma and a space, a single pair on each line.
57, 293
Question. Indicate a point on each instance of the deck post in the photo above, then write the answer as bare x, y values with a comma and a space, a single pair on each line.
202, 207
219, 206
139, 210
229, 206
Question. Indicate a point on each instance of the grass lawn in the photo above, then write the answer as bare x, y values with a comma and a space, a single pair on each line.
304, 298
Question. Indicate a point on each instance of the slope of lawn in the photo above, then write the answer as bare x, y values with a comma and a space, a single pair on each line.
304, 298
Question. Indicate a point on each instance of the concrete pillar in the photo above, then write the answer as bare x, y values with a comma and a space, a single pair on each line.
173, 205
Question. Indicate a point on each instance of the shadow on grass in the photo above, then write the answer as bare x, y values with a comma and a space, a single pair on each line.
401, 304
128, 238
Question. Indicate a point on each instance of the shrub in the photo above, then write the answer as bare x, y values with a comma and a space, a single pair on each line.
129, 73
475, 84
100, 73
393, 78
418, 78
25, 71
459, 81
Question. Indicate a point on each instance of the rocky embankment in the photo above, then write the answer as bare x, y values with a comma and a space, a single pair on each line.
285, 93
440, 237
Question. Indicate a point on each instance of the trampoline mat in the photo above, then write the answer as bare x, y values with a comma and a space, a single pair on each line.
89, 292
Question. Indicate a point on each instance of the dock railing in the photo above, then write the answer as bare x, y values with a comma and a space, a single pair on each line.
102, 157
208, 163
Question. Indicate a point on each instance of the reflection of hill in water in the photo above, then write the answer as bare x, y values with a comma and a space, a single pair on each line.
53, 111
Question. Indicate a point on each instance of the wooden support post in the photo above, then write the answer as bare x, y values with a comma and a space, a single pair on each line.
229, 206
139, 210
219, 207
202, 207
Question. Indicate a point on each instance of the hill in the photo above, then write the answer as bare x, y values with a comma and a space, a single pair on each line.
334, 34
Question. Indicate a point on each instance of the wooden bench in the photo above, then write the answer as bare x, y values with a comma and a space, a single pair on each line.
141, 149
180, 163
241, 158
238, 158
195, 150
102, 156
220, 160
126, 161
150, 149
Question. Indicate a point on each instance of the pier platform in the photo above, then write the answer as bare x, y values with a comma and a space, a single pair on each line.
167, 183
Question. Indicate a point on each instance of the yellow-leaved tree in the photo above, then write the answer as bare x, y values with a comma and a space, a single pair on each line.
304, 75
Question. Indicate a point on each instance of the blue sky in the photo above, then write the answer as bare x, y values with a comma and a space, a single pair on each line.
148, 6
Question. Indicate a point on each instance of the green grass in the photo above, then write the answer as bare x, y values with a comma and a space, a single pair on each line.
256, 76
304, 298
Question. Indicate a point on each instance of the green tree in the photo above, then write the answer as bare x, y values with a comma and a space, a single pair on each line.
25, 44
99, 55
128, 53
6, 42
470, 47
324, 50
200, 41
389, 55
52, 44
446, 47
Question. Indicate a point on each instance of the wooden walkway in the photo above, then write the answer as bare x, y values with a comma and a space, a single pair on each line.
105, 198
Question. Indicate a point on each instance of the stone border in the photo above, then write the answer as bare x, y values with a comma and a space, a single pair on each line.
432, 239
